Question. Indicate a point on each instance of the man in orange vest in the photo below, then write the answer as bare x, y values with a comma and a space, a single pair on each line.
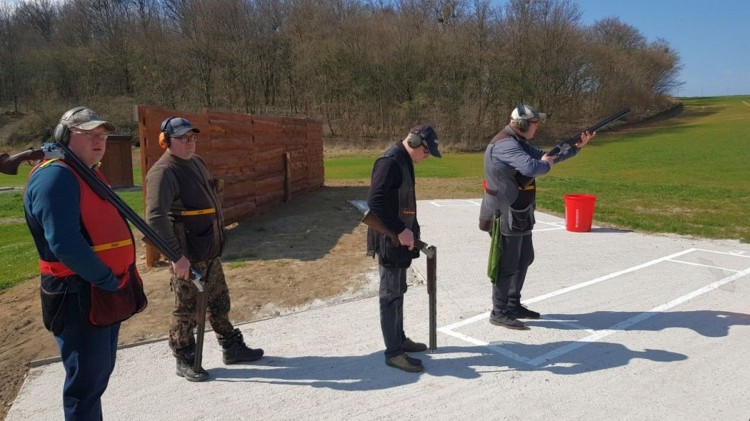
89, 282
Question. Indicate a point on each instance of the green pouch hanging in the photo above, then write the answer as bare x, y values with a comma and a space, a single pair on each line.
496, 250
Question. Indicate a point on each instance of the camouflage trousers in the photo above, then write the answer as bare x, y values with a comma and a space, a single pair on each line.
184, 320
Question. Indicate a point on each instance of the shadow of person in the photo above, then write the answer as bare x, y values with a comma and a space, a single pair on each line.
708, 323
349, 373
369, 372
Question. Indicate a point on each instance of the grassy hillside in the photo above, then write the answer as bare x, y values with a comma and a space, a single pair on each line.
685, 175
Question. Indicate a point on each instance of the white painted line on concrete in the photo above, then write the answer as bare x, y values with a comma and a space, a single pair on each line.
453, 203
636, 319
607, 277
597, 335
734, 253
702, 265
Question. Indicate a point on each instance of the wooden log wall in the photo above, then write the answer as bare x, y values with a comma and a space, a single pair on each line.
263, 160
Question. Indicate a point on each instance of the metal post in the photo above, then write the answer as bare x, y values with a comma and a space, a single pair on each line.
432, 292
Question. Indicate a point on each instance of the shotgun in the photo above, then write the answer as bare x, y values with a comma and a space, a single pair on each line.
524, 181
372, 221
9, 165
105, 192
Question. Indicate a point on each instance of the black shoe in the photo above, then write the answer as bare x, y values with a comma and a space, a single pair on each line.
524, 313
507, 320
411, 346
185, 369
402, 363
235, 351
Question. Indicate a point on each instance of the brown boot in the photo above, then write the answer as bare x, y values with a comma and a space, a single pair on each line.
403, 362
411, 346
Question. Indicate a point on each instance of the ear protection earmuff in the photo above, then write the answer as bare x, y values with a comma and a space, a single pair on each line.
164, 141
62, 131
414, 140
522, 122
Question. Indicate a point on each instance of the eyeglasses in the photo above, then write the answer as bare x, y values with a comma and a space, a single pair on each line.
96, 135
187, 138
533, 121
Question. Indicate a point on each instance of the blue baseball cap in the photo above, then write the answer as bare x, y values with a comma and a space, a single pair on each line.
177, 126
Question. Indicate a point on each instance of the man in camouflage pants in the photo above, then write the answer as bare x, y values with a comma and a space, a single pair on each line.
183, 205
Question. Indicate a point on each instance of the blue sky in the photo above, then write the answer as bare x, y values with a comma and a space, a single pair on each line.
712, 39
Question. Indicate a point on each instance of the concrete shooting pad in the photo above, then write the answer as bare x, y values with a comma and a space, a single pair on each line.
634, 326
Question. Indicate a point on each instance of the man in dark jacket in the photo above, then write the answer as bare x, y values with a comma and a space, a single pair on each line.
183, 206
393, 201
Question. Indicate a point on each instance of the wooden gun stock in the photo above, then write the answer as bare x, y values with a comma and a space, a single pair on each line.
9, 163
372, 221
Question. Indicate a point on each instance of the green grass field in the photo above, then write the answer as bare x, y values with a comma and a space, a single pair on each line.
686, 175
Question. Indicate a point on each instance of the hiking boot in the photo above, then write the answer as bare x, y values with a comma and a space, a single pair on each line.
235, 351
402, 363
524, 313
411, 346
507, 320
185, 369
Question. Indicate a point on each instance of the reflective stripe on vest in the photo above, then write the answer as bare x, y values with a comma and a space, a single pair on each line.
193, 212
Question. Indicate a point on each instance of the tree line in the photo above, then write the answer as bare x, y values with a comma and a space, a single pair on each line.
368, 69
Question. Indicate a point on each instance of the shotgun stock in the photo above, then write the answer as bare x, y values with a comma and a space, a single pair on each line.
9, 163
372, 221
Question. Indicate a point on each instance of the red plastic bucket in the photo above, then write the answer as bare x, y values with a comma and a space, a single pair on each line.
579, 212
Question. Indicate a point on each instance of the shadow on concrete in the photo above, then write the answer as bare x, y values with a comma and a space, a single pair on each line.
713, 324
349, 373
592, 357
368, 372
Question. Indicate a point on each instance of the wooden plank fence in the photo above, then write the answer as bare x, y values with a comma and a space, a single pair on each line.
263, 160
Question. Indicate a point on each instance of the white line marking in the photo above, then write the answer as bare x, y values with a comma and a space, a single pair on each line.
459, 203
733, 253
702, 265
607, 277
597, 335
636, 319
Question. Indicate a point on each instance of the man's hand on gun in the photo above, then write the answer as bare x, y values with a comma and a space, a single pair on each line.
181, 268
585, 138
406, 238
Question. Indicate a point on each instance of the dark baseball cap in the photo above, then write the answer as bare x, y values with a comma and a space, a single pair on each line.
177, 126
428, 135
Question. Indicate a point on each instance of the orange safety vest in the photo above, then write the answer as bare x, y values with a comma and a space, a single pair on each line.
110, 235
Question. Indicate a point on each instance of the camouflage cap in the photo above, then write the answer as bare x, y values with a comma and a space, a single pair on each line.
84, 119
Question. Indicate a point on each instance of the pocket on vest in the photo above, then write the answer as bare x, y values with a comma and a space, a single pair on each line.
107, 308
53, 294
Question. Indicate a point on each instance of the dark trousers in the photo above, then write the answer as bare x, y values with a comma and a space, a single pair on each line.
517, 255
392, 289
88, 355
